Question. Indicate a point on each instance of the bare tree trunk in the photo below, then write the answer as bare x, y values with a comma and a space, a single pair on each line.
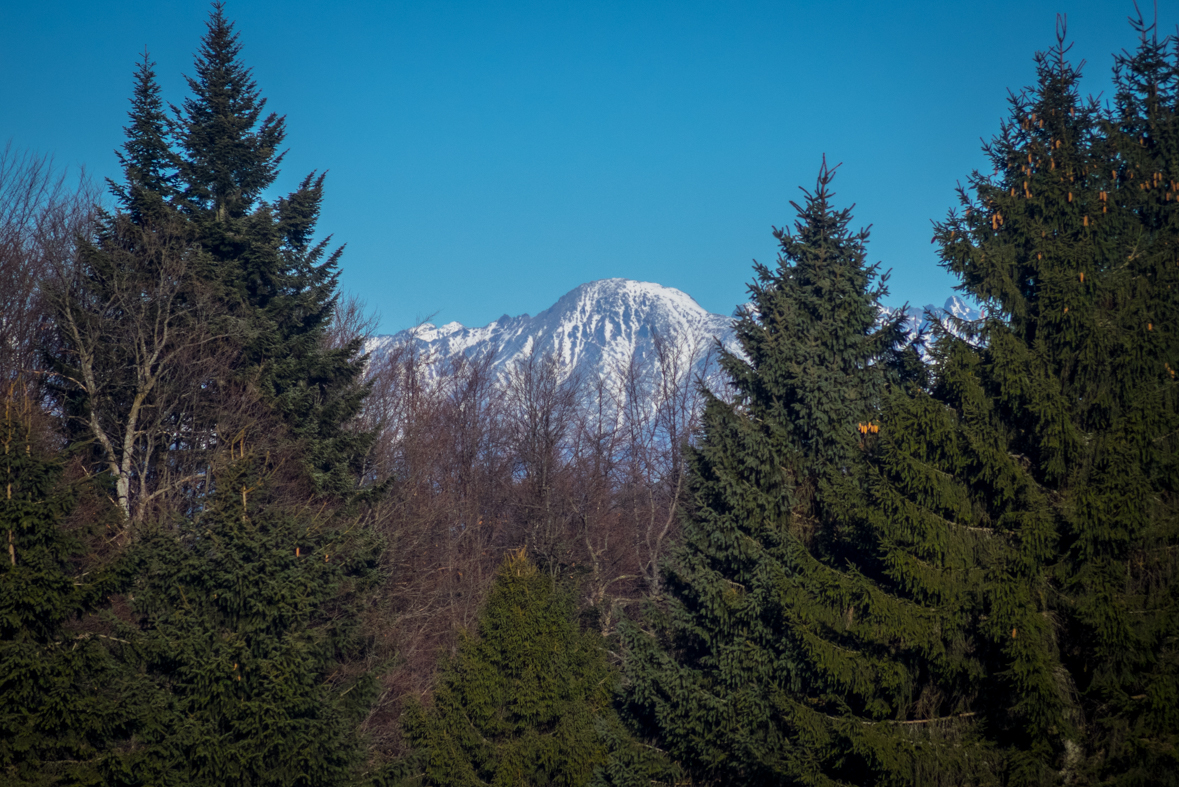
140, 361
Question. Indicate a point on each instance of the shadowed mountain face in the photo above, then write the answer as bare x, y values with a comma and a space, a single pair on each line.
603, 327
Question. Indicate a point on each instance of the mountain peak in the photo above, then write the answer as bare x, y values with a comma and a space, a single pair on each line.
596, 328
602, 327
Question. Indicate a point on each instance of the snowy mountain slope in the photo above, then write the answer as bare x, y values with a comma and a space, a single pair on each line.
598, 327
948, 315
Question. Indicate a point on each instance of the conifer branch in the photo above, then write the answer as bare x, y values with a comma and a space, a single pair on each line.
935, 720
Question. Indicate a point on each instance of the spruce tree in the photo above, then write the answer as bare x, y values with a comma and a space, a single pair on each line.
194, 358
1006, 584
279, 283
527, 699
229, 157
247, 622
148, 163
62, 688
1071, 247
756, 674
198, 296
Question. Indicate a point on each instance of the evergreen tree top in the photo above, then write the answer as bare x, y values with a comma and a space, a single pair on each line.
147, 158
1044, 195
1147, 81
755, 660
231, 155
827, 261
812, 326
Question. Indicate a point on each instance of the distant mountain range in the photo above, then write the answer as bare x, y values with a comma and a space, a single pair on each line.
602, 327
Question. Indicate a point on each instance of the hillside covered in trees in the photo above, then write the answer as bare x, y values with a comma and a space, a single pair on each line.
239, 551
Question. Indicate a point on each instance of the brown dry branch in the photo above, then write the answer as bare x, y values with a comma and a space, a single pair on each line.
586, 474
42, 213
144, 366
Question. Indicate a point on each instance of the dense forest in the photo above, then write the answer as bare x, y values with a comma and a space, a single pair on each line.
239, 551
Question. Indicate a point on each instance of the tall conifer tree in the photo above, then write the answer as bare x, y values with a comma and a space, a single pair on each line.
198, 318
1007, 593
527, 700
228, 278
149, 177
751, 678
280, 284
62, 719
1071, 246
246, 606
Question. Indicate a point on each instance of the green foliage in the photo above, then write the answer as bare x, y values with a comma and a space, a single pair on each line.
248, 625
279, 284
985, 589
782, 659
315, 388
237, 294
147, 159
195, 316
60, 688
958, 532
229, 157
1071, 247
526, 700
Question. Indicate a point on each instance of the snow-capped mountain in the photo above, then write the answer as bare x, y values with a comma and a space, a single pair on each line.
949, 316
602, 327
957, 307
596, 329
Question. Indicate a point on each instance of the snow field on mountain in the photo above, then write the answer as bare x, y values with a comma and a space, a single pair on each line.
601, 328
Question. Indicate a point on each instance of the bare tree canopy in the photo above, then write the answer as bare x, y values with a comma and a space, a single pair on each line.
43, 211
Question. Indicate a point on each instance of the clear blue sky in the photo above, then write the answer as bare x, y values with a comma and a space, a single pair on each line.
487, 157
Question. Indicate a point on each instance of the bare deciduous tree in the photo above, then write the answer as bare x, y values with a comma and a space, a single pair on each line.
142, 367
542, 404
42, 213
585, 473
